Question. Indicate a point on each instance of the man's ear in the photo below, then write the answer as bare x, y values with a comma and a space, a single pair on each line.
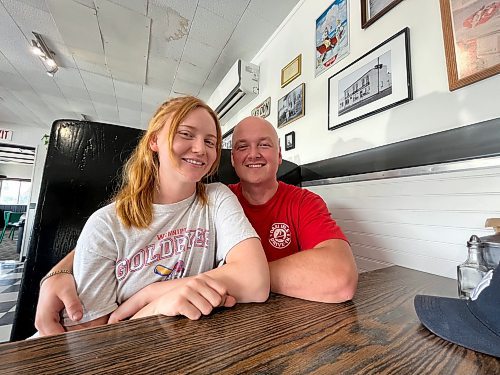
153, 143
232, 159
279, 155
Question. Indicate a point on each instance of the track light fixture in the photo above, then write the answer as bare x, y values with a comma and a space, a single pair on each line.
40, 49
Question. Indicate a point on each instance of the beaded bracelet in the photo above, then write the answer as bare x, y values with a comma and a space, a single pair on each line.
53, 273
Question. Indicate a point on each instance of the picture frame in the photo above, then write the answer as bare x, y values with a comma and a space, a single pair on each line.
471, 35
292, 106
289, 141
332, 36
227, 140
263, 109
291, 71
375, 82
372, 10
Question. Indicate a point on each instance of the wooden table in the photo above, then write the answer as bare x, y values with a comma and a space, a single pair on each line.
378, 332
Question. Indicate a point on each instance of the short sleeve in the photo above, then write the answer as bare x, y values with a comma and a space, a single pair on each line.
315, 222
231, 224
94, 269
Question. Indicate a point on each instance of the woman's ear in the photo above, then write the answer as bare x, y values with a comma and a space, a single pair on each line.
153, 143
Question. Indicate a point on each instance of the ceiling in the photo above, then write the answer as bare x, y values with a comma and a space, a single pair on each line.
119, 59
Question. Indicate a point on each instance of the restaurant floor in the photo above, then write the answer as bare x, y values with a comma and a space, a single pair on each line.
10, 278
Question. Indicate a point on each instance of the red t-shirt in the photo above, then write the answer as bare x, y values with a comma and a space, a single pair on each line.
294, 219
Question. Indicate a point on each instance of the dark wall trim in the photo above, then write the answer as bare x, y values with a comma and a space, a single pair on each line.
465, 143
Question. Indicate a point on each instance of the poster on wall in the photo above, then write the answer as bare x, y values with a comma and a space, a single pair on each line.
332, 36
378, 80
471, 32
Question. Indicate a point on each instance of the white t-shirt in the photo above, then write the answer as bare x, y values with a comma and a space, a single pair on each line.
113, 262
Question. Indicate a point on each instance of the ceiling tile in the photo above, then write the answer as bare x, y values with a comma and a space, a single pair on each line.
230, 10
182, 87
140, 6
161, 72
79, 28
126, 41
200, 54
210, 28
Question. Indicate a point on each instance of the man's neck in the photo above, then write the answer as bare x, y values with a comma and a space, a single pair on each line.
258, 194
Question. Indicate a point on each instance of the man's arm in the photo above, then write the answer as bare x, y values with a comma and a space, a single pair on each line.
244, 278
326, 273
57, 292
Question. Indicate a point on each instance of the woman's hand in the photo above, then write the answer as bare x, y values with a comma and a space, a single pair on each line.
192, 297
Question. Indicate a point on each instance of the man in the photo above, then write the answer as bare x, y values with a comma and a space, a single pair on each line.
308, 254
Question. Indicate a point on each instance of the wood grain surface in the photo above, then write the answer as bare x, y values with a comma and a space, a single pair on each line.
377, 333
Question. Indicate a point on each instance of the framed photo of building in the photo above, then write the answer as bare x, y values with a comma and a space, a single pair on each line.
291, 71
372, 10
332, 35
378, 80
471, 32
292, 106
289, 141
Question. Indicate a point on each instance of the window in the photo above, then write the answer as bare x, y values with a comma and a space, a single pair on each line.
15, 192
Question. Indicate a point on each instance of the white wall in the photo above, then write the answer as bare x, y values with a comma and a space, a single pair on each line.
16, 170
25, 135
433, 109
419, 222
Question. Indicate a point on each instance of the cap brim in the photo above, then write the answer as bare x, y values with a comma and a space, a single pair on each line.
451, 319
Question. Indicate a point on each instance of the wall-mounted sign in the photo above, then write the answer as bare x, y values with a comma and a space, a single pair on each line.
263, 109
6, 134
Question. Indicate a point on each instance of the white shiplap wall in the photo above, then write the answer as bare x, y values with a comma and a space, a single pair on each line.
419, 222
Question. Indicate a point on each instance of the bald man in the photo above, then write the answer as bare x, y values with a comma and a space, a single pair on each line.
309, 256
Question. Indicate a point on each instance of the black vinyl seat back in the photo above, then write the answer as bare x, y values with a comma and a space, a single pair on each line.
82, 173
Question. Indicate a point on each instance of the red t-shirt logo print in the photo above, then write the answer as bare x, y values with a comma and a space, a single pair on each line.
279, 235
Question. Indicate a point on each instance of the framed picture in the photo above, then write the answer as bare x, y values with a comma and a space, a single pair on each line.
471, 33
332, 35
372, 10
291, 71
289, 141
227, 139
292, 106
378, 80
263, 109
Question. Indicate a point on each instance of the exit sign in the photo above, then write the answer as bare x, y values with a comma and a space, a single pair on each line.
6, 134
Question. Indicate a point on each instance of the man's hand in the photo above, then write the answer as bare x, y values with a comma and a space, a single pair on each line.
56, 293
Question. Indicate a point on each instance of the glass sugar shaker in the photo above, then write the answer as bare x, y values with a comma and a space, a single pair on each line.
471, 272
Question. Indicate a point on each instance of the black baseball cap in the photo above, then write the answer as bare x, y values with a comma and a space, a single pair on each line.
473, 323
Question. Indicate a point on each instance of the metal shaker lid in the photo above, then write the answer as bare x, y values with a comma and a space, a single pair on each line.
474, 241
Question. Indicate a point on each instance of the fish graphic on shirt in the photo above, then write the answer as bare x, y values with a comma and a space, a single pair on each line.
177, 269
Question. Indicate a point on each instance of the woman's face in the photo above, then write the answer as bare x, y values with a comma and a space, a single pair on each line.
194, 148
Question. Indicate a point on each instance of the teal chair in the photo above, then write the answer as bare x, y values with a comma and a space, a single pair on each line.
10, 218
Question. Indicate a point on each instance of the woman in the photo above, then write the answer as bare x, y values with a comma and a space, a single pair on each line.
166, 225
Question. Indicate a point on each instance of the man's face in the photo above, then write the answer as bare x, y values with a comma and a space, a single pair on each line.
256, 154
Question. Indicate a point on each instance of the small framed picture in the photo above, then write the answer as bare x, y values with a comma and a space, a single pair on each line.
289, 141
375, 82
263, 109
471, 40
292, 106
372, 10
291, 71
227, 140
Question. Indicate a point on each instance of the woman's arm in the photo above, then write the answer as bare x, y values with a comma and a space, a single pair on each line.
244, 278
